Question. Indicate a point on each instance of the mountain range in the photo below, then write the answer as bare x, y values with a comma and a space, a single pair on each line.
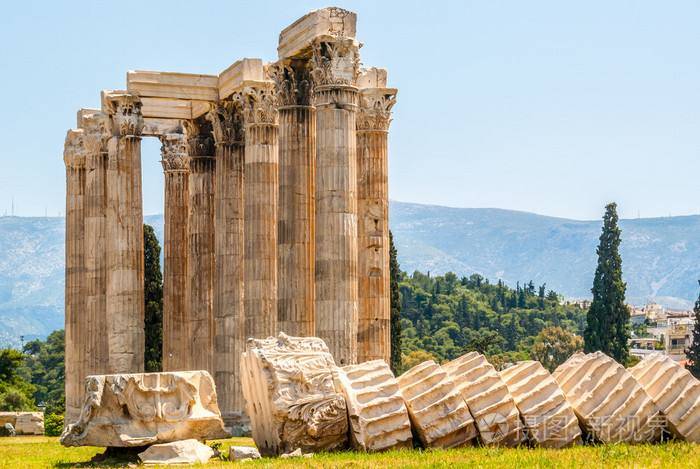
661, 257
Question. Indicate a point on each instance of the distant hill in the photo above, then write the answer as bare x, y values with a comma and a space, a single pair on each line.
661, 257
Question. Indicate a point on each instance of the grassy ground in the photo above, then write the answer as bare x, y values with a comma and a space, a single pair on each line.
35, 452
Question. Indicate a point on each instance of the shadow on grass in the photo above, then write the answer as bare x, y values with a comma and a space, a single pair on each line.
112, 457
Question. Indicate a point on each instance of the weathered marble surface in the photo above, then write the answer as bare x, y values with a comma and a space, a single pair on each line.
494, 411
24, 423
291, 397
140, 409
609, 403
675, 392
548, 417
378, 416
178, 452
438, 412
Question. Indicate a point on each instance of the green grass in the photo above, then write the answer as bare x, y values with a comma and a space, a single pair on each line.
35, 452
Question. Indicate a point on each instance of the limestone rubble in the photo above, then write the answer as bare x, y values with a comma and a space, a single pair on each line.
178, 452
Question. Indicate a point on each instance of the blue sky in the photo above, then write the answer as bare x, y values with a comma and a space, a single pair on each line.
546, 106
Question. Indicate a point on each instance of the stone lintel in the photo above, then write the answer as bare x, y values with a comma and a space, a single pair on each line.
238, 74
188, 86
372, 77
332, 22
153, 126
82, 113
166, 108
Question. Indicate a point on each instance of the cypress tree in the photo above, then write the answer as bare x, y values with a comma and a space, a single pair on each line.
693, 353
153, 293
395, 300
607, 321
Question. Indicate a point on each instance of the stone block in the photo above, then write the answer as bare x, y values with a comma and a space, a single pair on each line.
372, 78
178, 452
290, 395
378, 416
438, 412
236, 453
24, 423
609, 403
547, 415
239, 74
674, 391
187, 86
126, 410
329, 22
495, 414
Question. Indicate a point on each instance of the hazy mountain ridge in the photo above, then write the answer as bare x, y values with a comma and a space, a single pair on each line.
661, 256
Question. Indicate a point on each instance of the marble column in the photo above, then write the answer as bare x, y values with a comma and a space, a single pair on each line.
335, 70
261, 196
296, 212
125, 250
374, 116
201, 245
97, 132
229, 339
76, 325
176, 168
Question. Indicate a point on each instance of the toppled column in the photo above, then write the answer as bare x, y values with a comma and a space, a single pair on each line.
495, 414
76, 324
378, 416
438, 412
373, 119
200, 226
609, 403
291, 397
97, 131
227, 126
297, 172
548, 417
176, 168
675, 392
138, 409
125, 251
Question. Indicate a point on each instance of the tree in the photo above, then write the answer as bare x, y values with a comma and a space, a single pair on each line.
153, 293
693, 353
607, 321
414, 358
44, 360
395, 301
554, 345
15, 390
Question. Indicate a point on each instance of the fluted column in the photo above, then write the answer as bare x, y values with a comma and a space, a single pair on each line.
76, 324
374, 116
125, 251
97, 130
176, 343
201, 245
335, 70
261, 196
229, 339
296, 212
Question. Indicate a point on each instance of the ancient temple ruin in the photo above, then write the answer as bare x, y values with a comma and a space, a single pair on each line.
276, 211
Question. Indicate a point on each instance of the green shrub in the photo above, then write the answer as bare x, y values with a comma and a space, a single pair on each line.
53, 424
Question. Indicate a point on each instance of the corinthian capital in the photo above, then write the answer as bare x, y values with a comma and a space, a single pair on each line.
227, 122
258, 102
199, 138
293, 84
97, 129
335, 61
125, 110
74, 151
374, 112
174, 153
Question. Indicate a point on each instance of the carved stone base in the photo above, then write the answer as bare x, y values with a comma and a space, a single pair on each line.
290, 395
438, 412
139, 409
609, 403
378, 416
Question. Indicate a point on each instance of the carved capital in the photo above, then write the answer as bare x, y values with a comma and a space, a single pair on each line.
259, 103
374, 112
335, 62
226, 119
125, 110
74, 151
293, 83
174, 153
97, 129
200, 141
